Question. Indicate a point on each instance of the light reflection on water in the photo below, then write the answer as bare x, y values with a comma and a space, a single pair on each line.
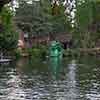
41, 81
72, 92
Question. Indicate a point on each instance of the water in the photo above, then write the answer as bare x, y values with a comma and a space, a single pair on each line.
3, 60
67, 79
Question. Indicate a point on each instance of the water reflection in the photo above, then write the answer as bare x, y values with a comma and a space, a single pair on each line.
15, 91
93, 93
73, 92
55, 66
89, 78
33, 81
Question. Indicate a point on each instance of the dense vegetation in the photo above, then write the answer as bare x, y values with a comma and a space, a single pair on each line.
79, 18
39, 19
83, 25
3, 2
8, 36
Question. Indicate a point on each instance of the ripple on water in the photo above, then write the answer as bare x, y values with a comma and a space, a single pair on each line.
76, 84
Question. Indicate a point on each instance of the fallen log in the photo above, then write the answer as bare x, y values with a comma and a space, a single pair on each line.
97, 49
82, 51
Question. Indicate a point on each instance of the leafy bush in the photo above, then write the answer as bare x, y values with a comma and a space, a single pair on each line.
17, 53
38, 52
8, 36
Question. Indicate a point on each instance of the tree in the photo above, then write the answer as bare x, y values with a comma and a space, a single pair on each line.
3, 2
8, 36
96, 16
60, 21
83, 20
39, 19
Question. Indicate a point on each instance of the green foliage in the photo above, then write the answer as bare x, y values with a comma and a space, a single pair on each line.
84, 15
84, 19
8, 37
60, 22
96, 15
6, 17
17, 54
38, 52
39, 19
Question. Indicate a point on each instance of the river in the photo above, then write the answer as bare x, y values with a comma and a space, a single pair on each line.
54, 79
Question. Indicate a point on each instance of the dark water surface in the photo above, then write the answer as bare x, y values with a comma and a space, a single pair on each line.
67, 79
